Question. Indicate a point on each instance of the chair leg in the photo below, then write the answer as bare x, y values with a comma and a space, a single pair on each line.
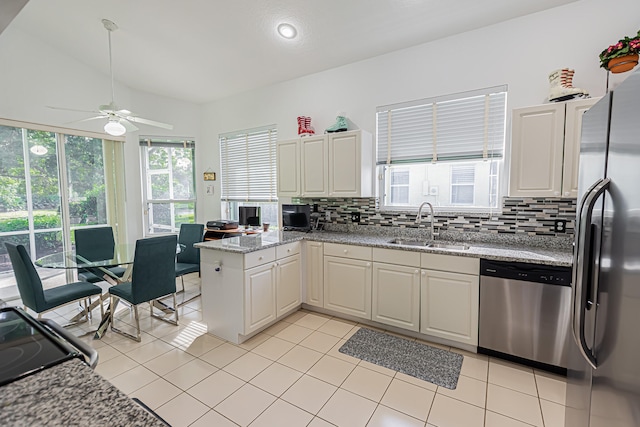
166, 310
138, 336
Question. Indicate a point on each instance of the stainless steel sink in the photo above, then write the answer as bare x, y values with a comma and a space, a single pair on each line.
434, 245
452, 246
409, 242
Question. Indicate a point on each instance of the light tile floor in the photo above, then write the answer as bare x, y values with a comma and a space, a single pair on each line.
293, 375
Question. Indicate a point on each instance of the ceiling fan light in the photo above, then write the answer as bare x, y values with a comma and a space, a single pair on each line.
115, 128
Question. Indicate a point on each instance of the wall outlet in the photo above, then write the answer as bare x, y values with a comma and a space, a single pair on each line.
355, 216
327, 215
560, 225
315, 207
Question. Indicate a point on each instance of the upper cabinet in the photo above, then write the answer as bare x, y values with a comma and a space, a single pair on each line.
545, 148
333, 165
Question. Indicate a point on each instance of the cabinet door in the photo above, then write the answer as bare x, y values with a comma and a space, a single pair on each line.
449, 306
347, 286
288, 284
259, 297
396, 296
344, 165
314, 274
314, 172
288, 164
536, 151
572, 136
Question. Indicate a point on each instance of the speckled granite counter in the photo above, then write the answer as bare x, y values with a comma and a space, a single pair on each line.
69, 394
519, 252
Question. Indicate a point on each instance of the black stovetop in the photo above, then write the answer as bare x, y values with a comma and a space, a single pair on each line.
27, 346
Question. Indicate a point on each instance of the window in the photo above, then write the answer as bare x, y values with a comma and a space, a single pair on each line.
248, 175
399, 186
51, 183
446, 150
168, 184
462, 184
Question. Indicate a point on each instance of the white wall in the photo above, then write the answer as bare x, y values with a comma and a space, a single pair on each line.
34, 75
520, 53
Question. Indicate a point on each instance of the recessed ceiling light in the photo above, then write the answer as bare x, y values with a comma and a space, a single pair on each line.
287, 31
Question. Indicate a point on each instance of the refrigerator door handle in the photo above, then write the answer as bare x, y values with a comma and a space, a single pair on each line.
581, 258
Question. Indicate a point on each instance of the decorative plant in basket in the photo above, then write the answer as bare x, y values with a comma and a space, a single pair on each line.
622, 56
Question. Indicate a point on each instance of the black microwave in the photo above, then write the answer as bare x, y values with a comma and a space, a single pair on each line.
296, 217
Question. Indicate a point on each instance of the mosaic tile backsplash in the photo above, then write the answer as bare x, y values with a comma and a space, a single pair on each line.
518, 216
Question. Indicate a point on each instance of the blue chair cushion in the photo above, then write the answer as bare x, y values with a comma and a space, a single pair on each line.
60, 295
185, 268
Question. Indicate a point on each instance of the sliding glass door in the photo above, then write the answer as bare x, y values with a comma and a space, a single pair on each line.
50, 184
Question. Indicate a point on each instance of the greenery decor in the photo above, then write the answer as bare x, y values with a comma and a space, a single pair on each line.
624, 47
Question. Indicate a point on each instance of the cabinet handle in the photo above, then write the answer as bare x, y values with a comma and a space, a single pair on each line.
368, 264
556, 193
566, 193
416, 272
345, 251
288, 250
259, 258
424, 273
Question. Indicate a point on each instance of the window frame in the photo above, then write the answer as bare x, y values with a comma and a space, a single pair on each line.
147, 203
493, 149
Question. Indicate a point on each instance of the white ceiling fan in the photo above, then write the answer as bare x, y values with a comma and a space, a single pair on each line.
119, 121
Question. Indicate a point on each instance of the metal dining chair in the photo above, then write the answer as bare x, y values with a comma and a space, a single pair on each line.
96, 244
41, 300
188, 260
153, 277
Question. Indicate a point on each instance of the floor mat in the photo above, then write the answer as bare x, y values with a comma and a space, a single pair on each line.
440, 367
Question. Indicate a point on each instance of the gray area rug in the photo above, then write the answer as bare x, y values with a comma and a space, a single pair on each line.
440, 367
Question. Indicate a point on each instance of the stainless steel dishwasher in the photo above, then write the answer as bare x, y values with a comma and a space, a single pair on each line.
525, 312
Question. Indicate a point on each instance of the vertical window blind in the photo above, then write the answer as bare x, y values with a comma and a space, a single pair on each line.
248, 160
462, 126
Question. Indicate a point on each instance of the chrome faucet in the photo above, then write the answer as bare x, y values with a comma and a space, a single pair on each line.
433, 218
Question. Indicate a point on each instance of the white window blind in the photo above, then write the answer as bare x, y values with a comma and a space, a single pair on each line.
463, 126
248, 160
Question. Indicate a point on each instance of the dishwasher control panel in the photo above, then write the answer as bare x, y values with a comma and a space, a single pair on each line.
526, 272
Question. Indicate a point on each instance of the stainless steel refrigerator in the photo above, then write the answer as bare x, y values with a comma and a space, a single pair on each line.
603, 386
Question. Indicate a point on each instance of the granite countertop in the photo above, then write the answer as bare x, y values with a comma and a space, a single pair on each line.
69, 394
518, 251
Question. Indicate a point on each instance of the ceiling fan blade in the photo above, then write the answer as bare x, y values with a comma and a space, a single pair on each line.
149, 122
87, 119
72, 109
128, 125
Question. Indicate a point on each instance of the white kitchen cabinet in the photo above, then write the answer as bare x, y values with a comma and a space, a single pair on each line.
350, 164
449, 306
260, 297
347, 279
396, 295
287, 284
315, 164
339, 164
545, 146
449, 297
288, 165
244, 293
313, 254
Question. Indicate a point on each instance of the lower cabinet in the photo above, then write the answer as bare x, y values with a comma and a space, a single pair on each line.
449, 306
347, 286
314, 274
287, 284
396, 296
260, 297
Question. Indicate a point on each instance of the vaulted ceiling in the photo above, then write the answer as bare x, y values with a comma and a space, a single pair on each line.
204, 50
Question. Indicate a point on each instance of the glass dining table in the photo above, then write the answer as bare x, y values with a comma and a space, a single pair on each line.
123, 255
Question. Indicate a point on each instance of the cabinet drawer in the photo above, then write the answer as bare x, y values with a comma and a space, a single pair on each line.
348, 251
256, 258
456, 264
394, 256
287, 250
